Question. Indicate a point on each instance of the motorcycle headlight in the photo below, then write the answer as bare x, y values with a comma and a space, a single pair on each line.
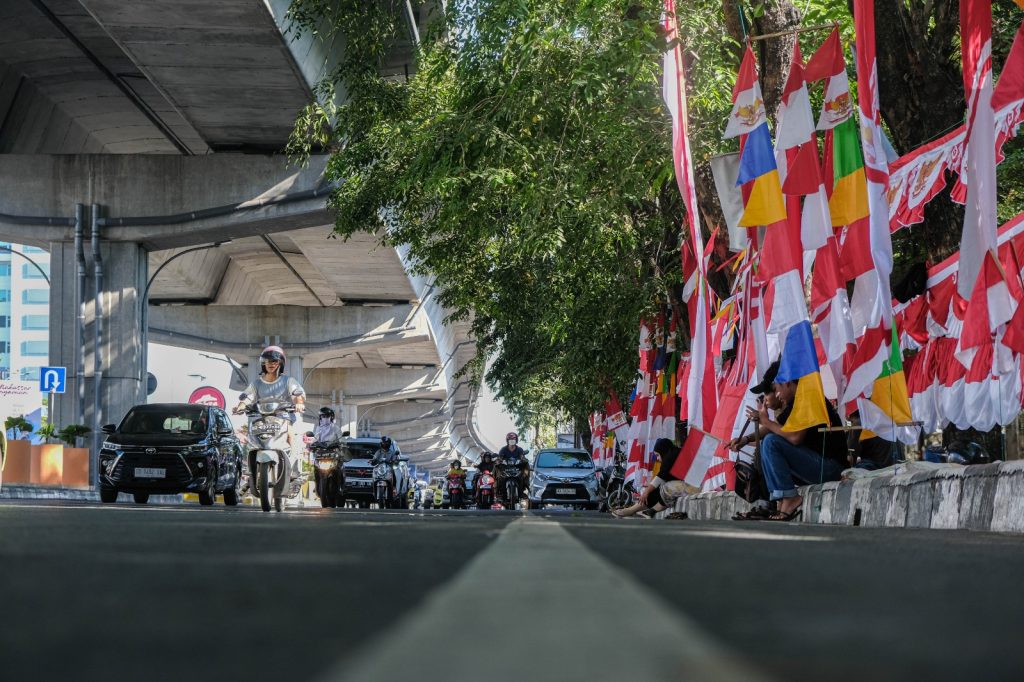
325, 464
381, 470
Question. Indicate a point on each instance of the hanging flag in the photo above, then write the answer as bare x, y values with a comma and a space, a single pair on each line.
764, 204
616, 418
888, 412
748, 113
799, 362
701, 397
797, 150
848, 202
981, 279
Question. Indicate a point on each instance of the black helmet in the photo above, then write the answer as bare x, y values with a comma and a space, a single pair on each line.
274, 353
385, 442
327, 412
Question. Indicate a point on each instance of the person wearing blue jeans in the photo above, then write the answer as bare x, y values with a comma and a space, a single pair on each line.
789, 458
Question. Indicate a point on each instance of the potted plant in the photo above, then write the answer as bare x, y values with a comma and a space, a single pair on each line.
48, 458
76, 459
18, 464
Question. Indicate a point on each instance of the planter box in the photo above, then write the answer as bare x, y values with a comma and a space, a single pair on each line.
47, 464
76, 468
18, 467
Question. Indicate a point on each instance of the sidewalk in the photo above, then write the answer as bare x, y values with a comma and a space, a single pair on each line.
911, 495
10, 491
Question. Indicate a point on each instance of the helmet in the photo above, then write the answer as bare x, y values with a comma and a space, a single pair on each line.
327, 412
385, 442
512, 435
272, 353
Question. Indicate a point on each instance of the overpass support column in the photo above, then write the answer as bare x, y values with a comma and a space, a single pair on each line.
110, 381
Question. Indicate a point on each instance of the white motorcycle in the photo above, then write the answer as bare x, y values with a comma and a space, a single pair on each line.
269, 423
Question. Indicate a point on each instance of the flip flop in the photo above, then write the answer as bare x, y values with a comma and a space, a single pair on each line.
755, 514
781, 516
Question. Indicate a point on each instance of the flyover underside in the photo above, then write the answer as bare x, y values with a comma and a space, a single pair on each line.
259, 267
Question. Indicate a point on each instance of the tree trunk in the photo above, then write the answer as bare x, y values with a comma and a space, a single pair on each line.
773, 55
921, 94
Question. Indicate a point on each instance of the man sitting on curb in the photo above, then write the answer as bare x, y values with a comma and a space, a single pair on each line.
806, 456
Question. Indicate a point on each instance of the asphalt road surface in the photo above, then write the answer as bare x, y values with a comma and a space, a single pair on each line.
92, 592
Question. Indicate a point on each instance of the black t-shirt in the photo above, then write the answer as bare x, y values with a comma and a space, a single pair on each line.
832, 443
667, 462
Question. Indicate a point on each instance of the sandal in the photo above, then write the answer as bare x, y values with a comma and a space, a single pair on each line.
782, 516
755, 514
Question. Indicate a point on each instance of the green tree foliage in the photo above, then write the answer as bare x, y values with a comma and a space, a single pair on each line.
527, 167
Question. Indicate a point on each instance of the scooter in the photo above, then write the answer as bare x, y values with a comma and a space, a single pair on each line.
383, 485
614, 491
269, 422
330, 475
457, 491
485, 490
511, 471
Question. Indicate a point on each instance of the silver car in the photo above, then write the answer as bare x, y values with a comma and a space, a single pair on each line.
564, 476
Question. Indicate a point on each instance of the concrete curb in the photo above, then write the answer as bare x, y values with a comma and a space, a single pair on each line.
981, 497
39, 492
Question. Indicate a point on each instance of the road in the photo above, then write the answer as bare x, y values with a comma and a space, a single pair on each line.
92, 592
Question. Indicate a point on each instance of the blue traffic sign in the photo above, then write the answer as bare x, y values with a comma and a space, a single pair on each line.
52, 379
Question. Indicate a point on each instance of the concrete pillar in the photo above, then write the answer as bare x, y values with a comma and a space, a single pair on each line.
124, 278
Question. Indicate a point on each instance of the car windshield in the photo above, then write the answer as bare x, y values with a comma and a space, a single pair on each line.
564, 460
186, 419
361, 450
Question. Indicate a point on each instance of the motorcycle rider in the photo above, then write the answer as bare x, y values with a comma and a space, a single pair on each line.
387, 452
484, 466
326, 430
272, 385
511, 450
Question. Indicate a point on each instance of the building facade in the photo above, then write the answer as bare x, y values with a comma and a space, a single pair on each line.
24, 311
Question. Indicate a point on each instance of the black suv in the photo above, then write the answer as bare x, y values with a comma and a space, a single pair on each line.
169, 449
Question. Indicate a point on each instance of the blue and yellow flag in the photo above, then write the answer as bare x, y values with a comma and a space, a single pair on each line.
764, 204
799, 363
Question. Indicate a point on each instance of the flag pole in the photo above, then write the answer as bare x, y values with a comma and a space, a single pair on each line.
793, 31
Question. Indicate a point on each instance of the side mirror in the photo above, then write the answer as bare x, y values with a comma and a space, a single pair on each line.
346, 434
225, 432
403, 458
310, 434
242, 397
109, 428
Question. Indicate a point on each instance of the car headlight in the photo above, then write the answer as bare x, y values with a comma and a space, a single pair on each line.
542, 477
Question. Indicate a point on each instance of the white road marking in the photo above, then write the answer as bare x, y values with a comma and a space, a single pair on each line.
539, 605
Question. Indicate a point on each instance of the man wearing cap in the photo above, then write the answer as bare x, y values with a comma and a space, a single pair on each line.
789, 457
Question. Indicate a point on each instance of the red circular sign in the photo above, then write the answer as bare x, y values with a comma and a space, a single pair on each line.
207, 395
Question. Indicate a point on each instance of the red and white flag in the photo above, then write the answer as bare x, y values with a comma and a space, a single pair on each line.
871, 305
701, 396
981, 279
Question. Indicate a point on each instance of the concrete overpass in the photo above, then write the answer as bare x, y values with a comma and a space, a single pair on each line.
140, 144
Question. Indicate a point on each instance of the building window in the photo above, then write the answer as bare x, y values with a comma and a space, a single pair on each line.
35, 348
29, 271
5, 347
29, 374
31, 296
5, 295
35, 322
5, 269
5, 321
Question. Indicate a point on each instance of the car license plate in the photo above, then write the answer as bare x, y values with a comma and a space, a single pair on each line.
565, 491
145, 472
